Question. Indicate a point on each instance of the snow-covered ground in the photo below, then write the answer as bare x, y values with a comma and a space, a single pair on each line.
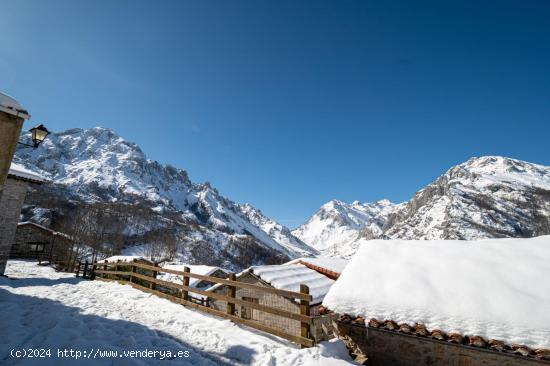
495, 288
43, 309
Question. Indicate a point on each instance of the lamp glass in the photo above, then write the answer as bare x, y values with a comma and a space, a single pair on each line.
38, 134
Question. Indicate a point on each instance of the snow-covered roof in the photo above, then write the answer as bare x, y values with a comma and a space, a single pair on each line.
238, 275
11, 106
493, 288
125, 258
336, 265
291, 276
24, 223
198, 269
20, 172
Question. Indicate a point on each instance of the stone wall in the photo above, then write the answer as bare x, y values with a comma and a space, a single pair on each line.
322, 327
10, 209
10, 129
55, 244
382, 347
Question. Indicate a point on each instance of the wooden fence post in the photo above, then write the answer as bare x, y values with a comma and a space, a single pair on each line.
185, 293
78, 269
85, 269
152, 285
231, 292
304, 310
133, 271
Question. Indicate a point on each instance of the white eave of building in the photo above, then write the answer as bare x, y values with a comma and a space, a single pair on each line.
18, 171
11, 106
25, 223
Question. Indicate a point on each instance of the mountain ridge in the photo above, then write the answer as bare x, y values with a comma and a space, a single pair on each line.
98, 165
484, 197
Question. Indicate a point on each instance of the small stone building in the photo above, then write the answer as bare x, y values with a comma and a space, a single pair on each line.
283, 277
37, 241
11, 201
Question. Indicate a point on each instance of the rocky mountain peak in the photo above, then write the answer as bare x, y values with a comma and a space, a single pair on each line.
97, 165
337, 222
484, 197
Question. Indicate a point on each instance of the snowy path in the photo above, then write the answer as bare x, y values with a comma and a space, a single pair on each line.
40, 308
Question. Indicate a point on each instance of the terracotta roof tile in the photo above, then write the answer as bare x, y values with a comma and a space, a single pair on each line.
456, 338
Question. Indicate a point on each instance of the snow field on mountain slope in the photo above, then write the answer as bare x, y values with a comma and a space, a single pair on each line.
57, 311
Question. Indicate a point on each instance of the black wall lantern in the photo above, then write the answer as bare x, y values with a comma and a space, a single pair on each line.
38, 135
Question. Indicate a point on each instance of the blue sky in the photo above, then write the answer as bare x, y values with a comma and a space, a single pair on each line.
288, 104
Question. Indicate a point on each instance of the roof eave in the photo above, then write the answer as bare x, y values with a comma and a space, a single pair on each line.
26, 179
14, 112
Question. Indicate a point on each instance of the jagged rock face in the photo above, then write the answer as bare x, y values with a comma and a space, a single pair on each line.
277, 231
338, 223
98, 160
97, 165
485, 197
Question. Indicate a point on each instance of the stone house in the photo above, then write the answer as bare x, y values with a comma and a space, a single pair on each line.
37, 241
12, 116
11, 201
284, 277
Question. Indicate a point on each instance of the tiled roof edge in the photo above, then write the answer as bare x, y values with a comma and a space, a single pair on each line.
326, 272
456, 338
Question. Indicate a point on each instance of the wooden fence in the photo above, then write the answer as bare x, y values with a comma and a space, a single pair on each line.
144, 277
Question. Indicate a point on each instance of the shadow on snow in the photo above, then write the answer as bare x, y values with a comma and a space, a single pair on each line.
33, 322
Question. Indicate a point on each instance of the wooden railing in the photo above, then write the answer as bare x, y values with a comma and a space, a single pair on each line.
84, 270
146, 280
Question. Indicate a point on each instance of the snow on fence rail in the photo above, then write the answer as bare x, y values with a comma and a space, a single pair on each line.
146, 280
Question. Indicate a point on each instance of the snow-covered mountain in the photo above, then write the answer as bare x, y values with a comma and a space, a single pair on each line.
337, 223
97, 165
485, 197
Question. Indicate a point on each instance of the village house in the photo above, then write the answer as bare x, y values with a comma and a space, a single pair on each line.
283, 277
446, 302
39, 242
11, 202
